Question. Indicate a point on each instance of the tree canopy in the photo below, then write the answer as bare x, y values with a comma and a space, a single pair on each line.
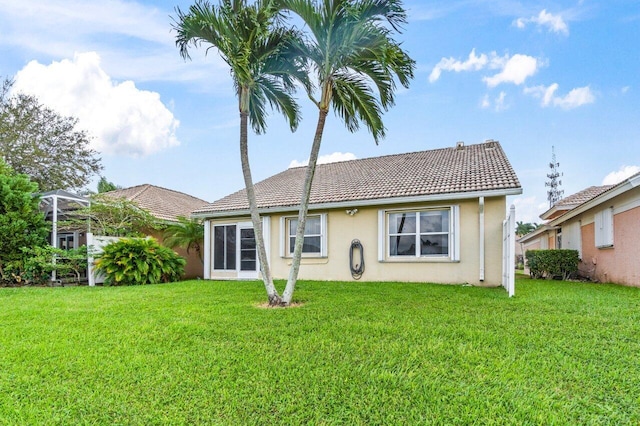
44, 145
22, 224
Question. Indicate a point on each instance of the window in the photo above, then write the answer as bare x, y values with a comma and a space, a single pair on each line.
224, 247
314, 235
604, 228
427, 233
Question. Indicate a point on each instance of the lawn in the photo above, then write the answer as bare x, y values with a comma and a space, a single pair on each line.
201, 352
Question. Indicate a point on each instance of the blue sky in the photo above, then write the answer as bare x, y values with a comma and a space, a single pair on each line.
533, 75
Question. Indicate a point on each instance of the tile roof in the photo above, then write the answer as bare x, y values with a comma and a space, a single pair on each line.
162, 203
574, 200
471, 168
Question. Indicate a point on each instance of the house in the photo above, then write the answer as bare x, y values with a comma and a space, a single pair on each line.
550, 237
429, 216
603, 224
165, 205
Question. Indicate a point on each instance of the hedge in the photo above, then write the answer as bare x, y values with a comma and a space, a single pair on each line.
552, 263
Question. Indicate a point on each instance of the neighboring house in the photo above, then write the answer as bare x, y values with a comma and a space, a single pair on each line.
548, 236
603, 224
166, 205
429, 216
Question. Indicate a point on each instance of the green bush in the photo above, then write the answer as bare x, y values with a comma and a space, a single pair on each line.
552, 263
136, 261
40, 262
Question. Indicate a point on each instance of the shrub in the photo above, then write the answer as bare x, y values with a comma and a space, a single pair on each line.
552, 263
136, 261
40, 262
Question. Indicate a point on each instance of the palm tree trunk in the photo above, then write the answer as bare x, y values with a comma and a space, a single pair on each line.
272, 292
304, 208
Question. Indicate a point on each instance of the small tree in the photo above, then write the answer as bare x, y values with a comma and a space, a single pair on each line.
188, 233
116, 217
42, 144
21, 222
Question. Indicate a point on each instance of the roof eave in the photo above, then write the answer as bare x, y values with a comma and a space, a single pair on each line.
367, 203
621, 188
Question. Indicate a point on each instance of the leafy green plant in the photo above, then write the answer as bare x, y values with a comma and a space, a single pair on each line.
136, 261
552, 263
41, 262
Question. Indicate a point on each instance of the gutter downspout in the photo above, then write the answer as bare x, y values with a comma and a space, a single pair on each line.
207, 250
54, 232
481, 243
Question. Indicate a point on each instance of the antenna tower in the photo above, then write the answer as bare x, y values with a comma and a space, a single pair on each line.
554, 194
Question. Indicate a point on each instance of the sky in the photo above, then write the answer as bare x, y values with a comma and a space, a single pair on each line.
538, 76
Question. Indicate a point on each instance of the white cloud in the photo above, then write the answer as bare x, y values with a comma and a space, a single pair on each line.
324, 159
134, 40
575, 98
529, 209
499, 102
123, 119
553, 23
517, 69
616, 177
473, 63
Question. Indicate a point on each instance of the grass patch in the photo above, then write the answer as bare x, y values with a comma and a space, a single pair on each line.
201, 352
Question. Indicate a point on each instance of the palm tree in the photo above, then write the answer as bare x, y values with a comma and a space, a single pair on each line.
355, 61
187, 233
264, 67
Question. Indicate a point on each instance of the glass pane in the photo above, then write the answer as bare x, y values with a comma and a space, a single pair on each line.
292, 244
248, 265
402, 223
434, 244
434, 221
312, 226
404, 245
311, 245
218, 247
247, 255
247, 239
293, 226
230, 248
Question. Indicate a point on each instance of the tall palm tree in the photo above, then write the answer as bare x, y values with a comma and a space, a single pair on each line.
355, 62
188, 233
264, 67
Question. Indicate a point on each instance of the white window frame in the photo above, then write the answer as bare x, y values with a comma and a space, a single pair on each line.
384, 250
213, 247
604, 228
286, 251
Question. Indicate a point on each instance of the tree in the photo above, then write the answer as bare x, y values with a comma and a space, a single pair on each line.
356, 62
264, 66
22, 224
524, 228
187, 233
38, 142
116, 217
105, 186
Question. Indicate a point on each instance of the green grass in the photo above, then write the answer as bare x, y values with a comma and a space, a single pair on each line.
202, 352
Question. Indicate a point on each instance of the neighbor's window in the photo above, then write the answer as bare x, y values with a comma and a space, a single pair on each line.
224, 247
419, 233
604, 228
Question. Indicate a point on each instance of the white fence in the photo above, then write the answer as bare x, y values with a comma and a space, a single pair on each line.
508, 252
95, 243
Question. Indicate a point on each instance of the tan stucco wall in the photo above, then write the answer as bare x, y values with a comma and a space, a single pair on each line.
343, 228
193, 268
